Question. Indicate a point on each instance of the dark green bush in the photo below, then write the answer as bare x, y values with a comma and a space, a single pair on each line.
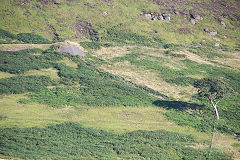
72, 141
32, 38
97, 89
21, 84
6, 34
24, 60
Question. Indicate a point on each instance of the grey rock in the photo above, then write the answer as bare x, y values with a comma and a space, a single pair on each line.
160, 18
166, 16
72, 49
197, 17
154, 18
213, 33
105, 13
223, 24
176, 12
148, 16
206, 30
192, 21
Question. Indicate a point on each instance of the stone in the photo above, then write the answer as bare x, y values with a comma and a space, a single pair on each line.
192, 21
213, 33
105, 13
176, 12
217, 45
206, 30
160, 18
223, 24
154, 18
196, 17
166, 16
148, 16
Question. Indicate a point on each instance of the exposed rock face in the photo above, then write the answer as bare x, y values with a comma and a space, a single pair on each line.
83, 29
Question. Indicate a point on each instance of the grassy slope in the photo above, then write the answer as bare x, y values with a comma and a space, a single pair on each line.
116, 119
157, 68
124, 15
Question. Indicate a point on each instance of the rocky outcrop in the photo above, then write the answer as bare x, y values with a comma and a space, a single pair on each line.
83, 29
157, 16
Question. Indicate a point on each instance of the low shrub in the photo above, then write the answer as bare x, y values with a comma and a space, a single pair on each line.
32, 38
24, 60
21, 84
72, 141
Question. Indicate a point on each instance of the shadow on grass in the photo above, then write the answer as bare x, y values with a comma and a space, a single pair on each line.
177, 105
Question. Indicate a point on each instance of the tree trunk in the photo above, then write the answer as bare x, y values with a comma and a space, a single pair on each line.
212, 142
215, 109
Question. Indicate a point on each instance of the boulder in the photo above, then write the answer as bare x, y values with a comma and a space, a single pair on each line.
148, 16
176, 12
213, 33
196, 17
160, 18
223, 24
192, 21
105, 13
166, 16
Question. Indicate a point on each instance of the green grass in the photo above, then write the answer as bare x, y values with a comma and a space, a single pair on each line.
26, 115
122, 17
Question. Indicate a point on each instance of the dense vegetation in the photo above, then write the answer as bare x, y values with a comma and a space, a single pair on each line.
24, 60
72, 141
157, 71
96, 89
7, 37
32, 38
21, 84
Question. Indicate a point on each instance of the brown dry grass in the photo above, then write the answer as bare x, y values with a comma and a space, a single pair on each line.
194, 57
232, 61
111, 52
142, 76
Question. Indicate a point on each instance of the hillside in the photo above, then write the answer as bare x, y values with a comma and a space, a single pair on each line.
132, 95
